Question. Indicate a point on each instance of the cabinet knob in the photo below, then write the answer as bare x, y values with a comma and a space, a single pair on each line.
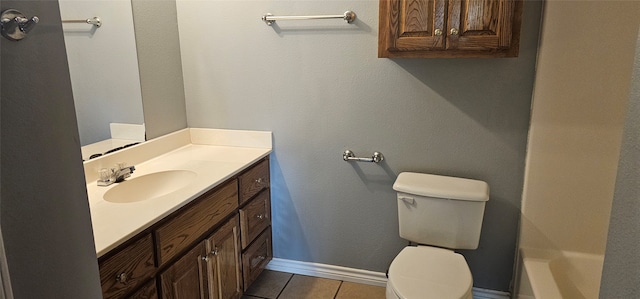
438, 32
259, 180
260, 216
205, 258
454, 31
122, 278
214, 251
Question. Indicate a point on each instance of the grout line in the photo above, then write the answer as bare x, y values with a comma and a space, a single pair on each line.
285, 285
338, 290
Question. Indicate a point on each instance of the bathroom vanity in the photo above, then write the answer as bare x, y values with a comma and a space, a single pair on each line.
205, 234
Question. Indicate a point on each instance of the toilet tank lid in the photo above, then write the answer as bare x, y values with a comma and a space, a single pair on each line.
431, 185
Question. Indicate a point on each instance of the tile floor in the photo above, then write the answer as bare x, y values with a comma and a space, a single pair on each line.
281, 285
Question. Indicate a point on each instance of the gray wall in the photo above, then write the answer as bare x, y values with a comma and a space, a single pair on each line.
320, 88
161, 80
621, 273
44, 208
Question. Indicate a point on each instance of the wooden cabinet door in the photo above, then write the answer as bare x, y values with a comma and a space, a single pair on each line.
480, 24
411, 25
187, 277
224, 263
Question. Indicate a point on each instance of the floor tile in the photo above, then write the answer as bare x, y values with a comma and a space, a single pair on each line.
306, 287
269, 284
350, 290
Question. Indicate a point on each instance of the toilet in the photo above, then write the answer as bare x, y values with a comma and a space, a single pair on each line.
440, 214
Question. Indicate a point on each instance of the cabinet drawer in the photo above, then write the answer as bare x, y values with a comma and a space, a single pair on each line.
127, 269
190, 224
253, 181
254, 218
256, 257
148, 291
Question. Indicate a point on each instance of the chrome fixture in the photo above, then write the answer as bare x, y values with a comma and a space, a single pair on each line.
95, 21
350, 156
116, 174
348, 16
15, 25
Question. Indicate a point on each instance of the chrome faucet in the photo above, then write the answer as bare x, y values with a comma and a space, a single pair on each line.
116, 174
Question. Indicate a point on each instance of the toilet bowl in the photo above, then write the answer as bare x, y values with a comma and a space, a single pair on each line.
441, 212
429, 273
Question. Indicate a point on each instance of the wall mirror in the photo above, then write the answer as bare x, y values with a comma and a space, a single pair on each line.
103, 65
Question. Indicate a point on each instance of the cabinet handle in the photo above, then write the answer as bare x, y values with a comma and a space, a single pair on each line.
122, 278
205, 258
260, 216
454, 31
262, 257
214, 252
259, 180
438, 32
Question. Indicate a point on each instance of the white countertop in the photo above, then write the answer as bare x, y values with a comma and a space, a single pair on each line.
211, 154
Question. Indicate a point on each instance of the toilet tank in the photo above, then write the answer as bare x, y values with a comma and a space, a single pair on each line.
440, 210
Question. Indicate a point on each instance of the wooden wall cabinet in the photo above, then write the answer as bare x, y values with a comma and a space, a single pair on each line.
213, 248
449, 28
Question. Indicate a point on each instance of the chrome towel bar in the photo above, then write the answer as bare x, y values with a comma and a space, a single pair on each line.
350, 156
348, 16
95, 21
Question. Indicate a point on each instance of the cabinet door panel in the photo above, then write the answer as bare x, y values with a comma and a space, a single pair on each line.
187, 277
224, 261
411, 25
480, 24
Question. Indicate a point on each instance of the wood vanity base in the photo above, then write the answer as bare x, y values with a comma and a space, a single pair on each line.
213, 248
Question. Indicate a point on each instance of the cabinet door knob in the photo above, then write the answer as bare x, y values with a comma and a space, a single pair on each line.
259, 180
260, 216
214, 251
205, 258
438, 32
122, 278
454, 31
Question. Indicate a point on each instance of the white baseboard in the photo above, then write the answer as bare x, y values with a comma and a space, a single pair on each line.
355, 275
328, 271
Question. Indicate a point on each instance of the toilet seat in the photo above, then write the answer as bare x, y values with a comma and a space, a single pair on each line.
426, 272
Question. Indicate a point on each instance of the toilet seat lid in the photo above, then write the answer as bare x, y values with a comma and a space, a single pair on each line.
430, 272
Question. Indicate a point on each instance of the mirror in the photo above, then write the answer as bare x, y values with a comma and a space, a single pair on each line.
103, 66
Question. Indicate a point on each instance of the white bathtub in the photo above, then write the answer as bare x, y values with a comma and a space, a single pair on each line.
559, 274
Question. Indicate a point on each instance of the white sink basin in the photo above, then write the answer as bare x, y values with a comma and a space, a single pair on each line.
149, 186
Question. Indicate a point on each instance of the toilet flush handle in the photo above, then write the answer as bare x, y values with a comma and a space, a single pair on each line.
408, 200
